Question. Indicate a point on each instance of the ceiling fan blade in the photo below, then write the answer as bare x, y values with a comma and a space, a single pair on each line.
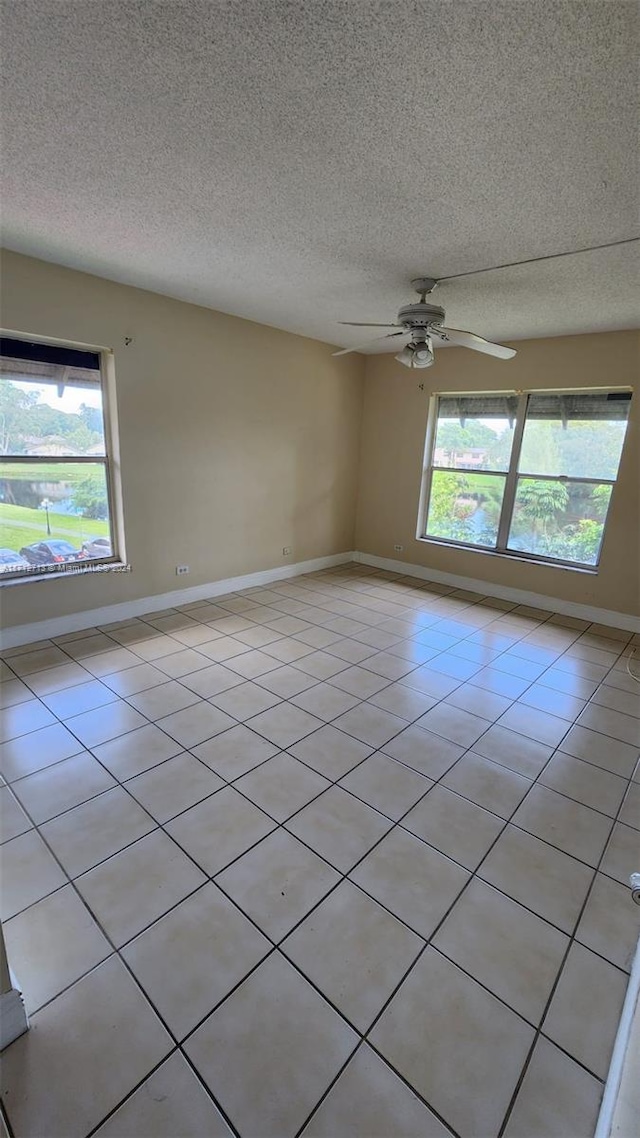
470, 340
359, 347
356, 324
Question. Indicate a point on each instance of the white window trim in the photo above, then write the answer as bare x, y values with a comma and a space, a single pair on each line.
511, 480
117, 562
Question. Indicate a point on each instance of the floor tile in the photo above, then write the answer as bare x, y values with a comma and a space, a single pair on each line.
53, 943
429, 754
24, 717
486, 704
370, 1101
505, 947
557, 1098
387, 785
284, 724
269, 1080
281, 786
172, 1101
253, 664
245, 700
587, 784
37, 750
539, 876
179, 664
80, 698
501, 682
487, 784
435, 684
354, 951
630, 812
62, 786
277, 882
400, 700
555, 702
330, 752
114, 659
135, 887
91, 833
37, 660
174, 786
609, 925
142, 677
455, 826
189, 960
454, 724
218, 830
320, 665
85, 1051
339, 827
586, 1028
104, 723
615, 724
210, 681
234, 752
13, 820
195, 724
359, 682
325, 701
524, 756
370, 724
13, 692
564, 823
537, 725
163, 699
136, 751
51, 680
411, 879
473, 1041
610, 754
28, 873
621, 854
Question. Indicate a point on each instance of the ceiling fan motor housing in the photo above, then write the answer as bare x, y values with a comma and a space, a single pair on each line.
415, 316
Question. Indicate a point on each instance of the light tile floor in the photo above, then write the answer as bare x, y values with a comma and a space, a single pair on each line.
345, 857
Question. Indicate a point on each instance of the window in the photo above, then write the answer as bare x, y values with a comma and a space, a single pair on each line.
529, 475
56, 481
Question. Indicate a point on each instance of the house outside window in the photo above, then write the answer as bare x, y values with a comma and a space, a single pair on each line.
58, 478
524, 474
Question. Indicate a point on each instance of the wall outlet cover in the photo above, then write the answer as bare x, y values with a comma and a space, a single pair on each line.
399, 548
181, 570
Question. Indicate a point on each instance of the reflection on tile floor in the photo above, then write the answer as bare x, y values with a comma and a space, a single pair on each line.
338, 858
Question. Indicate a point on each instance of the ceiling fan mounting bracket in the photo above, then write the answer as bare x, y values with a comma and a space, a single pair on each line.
424, 286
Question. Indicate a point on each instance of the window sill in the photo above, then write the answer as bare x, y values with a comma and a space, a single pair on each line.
523, 558
61, 574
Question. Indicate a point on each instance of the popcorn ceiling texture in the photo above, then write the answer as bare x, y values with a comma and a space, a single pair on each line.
297, 163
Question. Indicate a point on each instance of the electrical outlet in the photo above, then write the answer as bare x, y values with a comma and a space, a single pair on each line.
286, 550
399, 548
181, 570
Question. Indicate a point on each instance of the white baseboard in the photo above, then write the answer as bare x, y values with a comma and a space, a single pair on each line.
622, 1075
13, 1017
519, 596
13, 637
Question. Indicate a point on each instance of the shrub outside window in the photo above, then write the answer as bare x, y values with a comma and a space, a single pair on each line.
527, 474
56, 479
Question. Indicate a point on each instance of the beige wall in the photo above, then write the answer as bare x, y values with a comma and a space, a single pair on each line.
236, 439
393, 437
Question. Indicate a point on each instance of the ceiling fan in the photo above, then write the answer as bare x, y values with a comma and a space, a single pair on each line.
421, 323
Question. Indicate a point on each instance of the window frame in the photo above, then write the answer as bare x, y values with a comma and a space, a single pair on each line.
512, 476
110, 462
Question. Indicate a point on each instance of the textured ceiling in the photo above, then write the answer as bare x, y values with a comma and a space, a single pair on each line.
297, 162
